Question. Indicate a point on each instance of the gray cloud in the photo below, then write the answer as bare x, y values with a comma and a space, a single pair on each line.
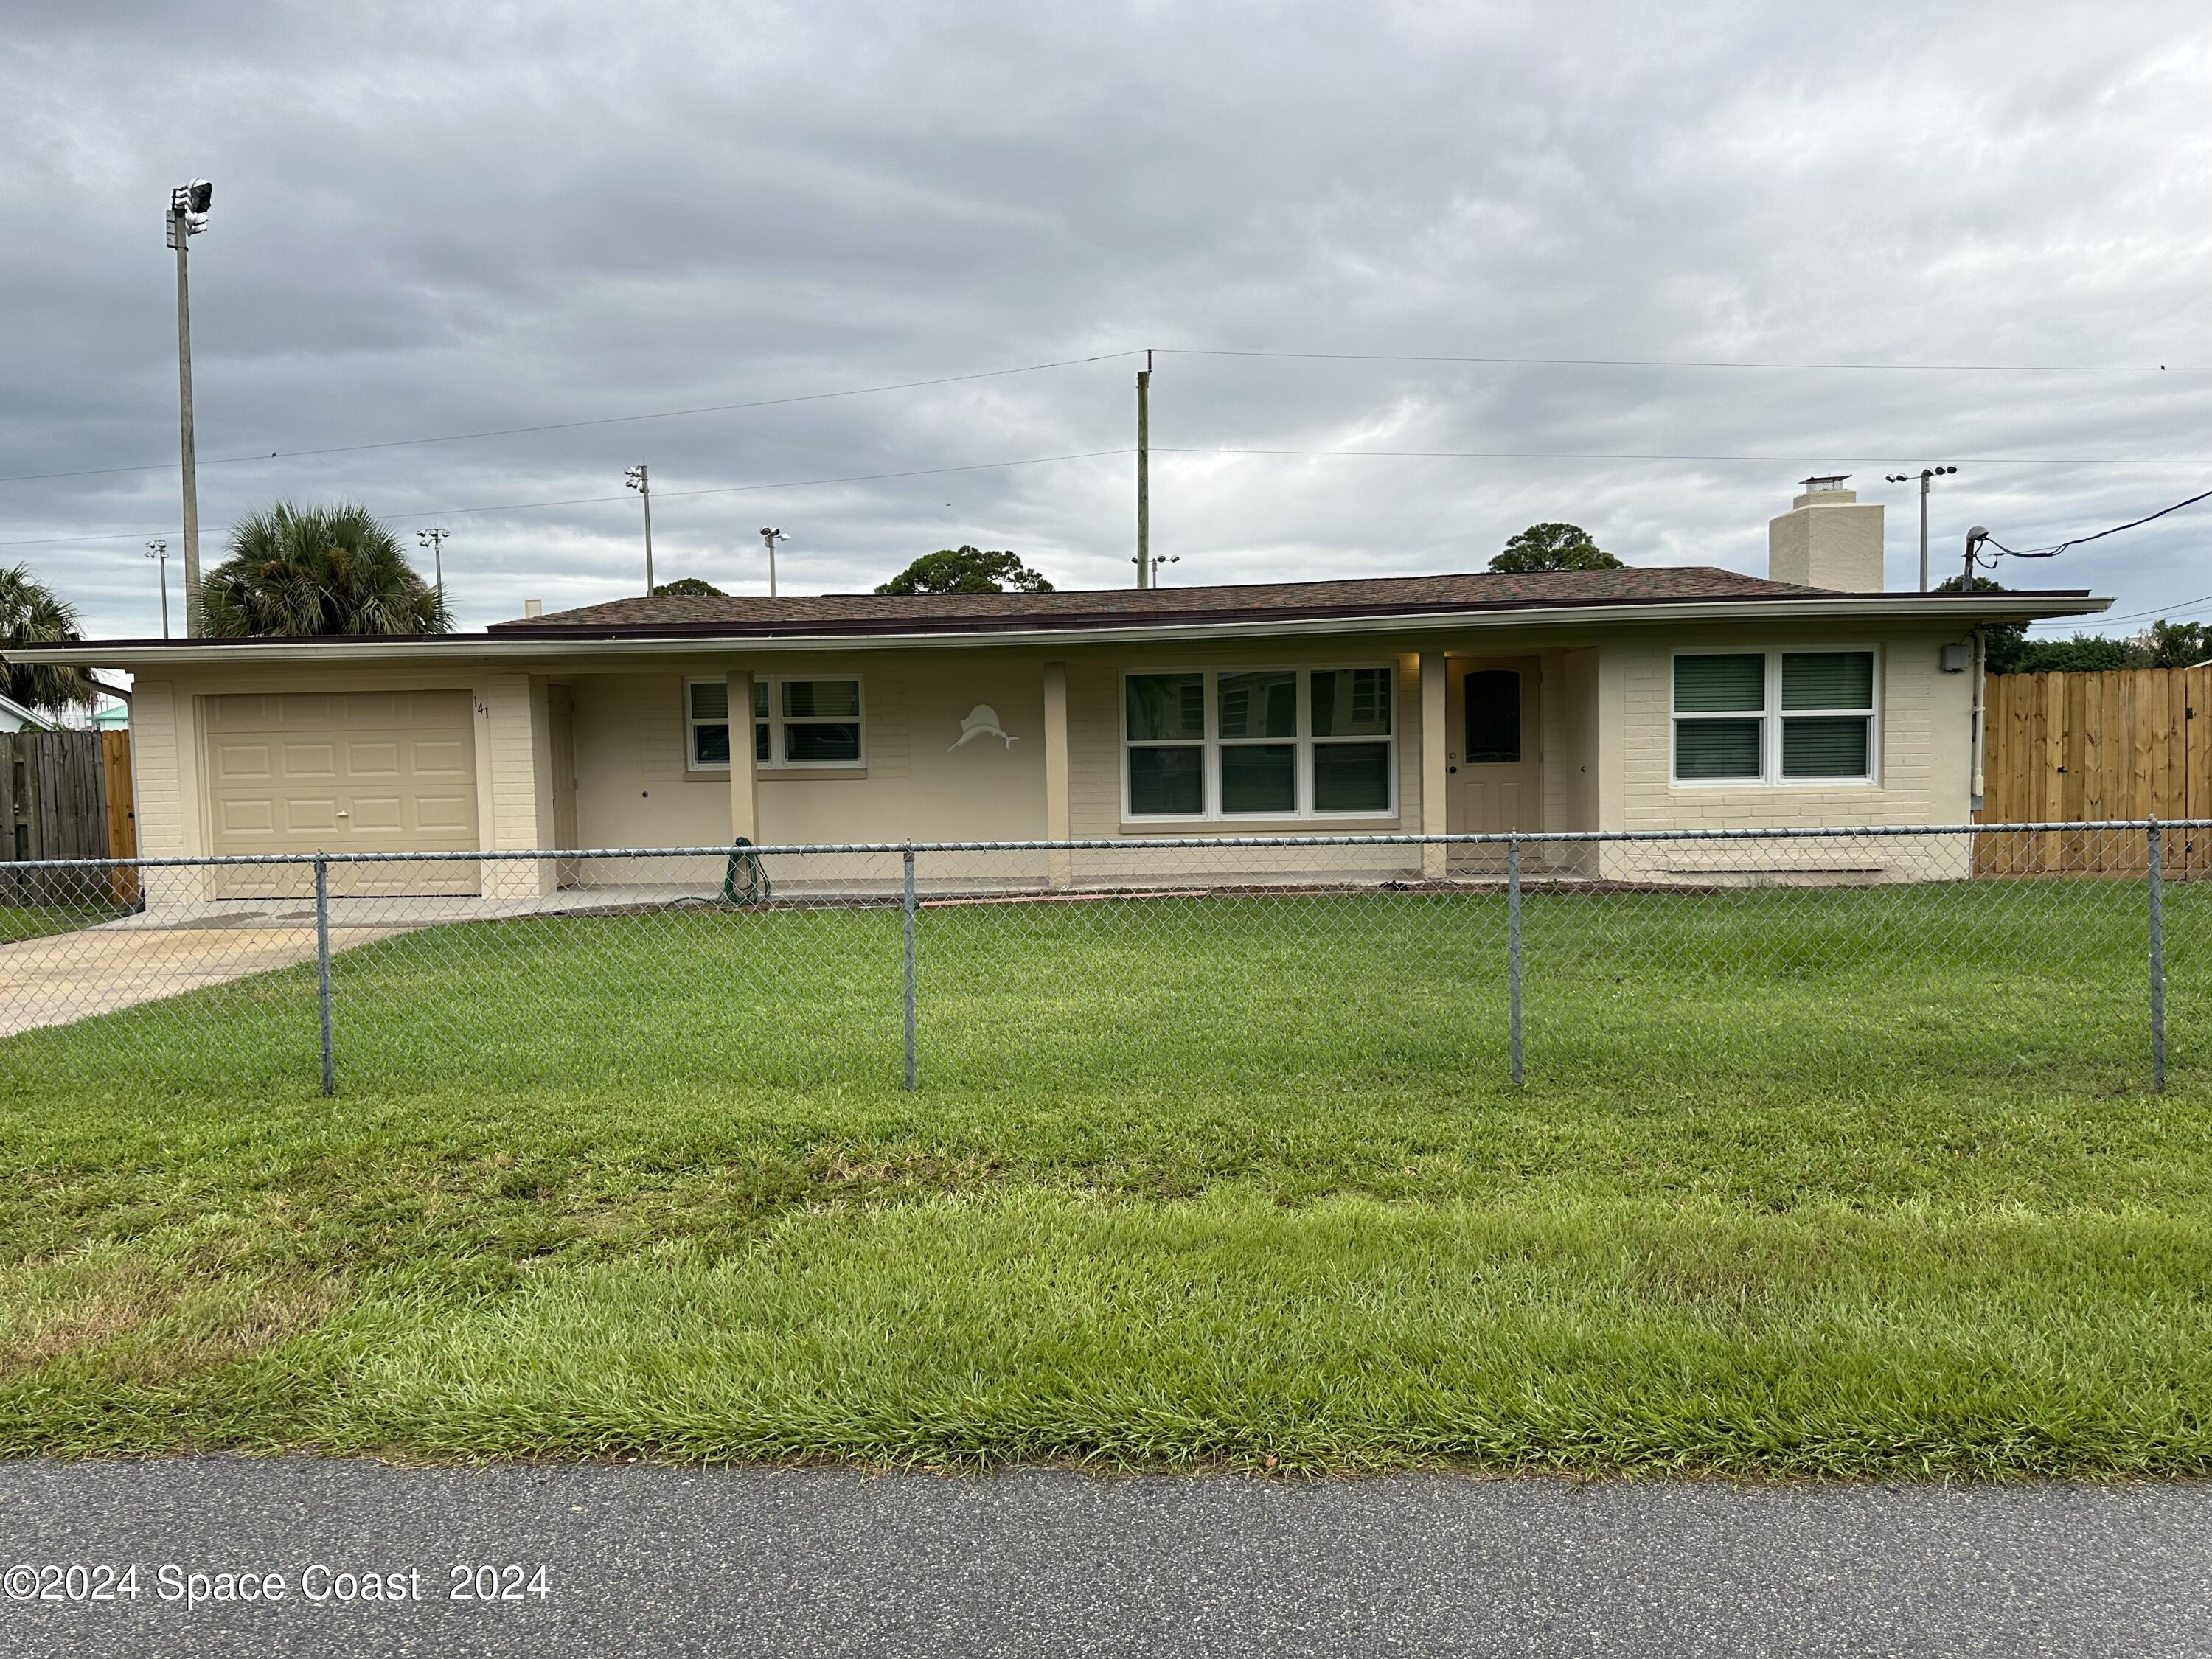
437, 219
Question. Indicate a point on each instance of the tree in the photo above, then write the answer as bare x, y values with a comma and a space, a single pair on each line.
2008, 650
31, 613
691, 584
2085, 653
1553, 547
2178, 645
2001, 643
966, 569
298, 571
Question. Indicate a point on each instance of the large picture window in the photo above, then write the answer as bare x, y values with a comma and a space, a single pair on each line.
1260, 743
797, 723
1774, 716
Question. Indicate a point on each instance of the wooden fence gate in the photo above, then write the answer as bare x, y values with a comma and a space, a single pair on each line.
2130, 743
67, 795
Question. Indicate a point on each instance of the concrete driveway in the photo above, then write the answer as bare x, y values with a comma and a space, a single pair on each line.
65, 977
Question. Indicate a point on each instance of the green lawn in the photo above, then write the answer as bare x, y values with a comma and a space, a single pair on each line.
1857, 1181
22, 921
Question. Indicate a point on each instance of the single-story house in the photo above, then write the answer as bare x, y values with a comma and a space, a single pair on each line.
1628, 699
15, 717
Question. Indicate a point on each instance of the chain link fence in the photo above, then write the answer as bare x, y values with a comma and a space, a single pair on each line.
2035, 953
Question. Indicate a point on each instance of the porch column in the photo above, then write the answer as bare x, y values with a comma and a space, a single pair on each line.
1060, 868
1434, 768
744, 805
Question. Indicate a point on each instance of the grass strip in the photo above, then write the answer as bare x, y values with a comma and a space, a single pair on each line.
1347, 1334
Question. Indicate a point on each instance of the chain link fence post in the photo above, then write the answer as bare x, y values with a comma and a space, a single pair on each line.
906, 905
323, 967
2157, 963
1513, 949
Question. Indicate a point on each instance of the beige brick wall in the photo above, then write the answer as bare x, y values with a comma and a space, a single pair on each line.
1094, 719
167, 792
155, 747
1921, 775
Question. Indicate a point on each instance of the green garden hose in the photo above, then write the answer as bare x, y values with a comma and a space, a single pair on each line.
756, 886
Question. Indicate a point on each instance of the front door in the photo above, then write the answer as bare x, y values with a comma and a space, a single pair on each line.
1497, 771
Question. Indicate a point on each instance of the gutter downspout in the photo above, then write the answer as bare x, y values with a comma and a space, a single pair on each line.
1974, 734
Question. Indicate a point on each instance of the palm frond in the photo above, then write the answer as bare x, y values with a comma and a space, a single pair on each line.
31, 613
318, 570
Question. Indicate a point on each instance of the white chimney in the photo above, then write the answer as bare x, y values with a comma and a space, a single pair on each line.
1828, 538
537, 607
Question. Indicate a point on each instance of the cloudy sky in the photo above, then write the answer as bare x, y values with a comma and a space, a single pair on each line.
1986, 227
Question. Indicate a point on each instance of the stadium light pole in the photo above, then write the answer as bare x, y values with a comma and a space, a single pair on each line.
772, 536
188, 217
639, 478
435, 541
161, 550
1926, 473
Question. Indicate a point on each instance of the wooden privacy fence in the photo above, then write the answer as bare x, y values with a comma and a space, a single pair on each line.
66, 795
2130, 743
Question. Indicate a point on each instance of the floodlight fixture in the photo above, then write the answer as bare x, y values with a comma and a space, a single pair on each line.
188, 210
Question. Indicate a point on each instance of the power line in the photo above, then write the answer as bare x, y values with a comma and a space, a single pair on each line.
663, 495
1685, 363
1109, 356
1764, 460
572, 426
791, 483
2159, 610
1097, 454
2053, 552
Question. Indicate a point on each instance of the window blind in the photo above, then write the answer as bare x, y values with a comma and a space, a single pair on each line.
1711, 750
1827, 679
1720, 684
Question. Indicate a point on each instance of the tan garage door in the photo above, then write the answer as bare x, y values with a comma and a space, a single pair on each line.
343, 771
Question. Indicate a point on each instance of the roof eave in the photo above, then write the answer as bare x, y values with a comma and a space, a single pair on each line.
635, 641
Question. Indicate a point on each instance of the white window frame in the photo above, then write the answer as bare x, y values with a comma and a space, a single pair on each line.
775, 722
1213, 743
1772, 717
693, 722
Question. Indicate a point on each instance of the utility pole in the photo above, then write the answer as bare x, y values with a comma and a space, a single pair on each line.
639, 478
1144, 473
188, 216
435, 541
161, 550
1926, 473
772, 536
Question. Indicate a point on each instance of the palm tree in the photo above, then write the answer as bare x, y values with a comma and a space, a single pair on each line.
31, 614
306, 570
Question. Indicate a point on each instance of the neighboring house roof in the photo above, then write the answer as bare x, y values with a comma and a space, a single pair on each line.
13, 717
708, 624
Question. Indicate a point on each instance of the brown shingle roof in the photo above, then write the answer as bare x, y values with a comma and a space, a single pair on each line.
752, 614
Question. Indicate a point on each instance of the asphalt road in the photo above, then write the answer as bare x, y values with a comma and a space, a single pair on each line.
668, 1561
